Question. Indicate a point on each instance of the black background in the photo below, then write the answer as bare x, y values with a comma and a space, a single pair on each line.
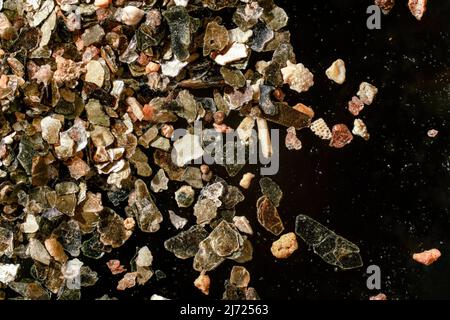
389, 195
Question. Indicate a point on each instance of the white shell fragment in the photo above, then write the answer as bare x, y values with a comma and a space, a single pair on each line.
236, 52
336, 71
264, 137
297, 76
8, 272
237, 35
30, 225
321, 129
50, 129
144, 257
47, 28
43, 13
177, 221
72, 273
157, 297
245, 129
186, 149
131, 15
360, 129
95, 73
182, 3
172, 67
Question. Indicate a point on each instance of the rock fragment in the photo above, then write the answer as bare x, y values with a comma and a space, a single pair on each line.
239, 277
287, 116
246, 16
341, 136
355, 106
136, 108
265, 101
131, 15
205, 210
367, 93
50, 129
95, 73
336, 71
78, 168
92, 35
385, 5
243, 225
216, 38
300, 107
202, 283
38, 252
112, 229
268, 216
291, 141
8, 272
102, 3
271, 190
159, 182
144, 257
380, 296
236, 52
128, 281
185, 244
43, 12
56, 250
276, 18
285, 246
297, 76
96, 113
173, 67
232, 197
177, 221
30, 225
262, 34
432, 133
144, 209
71, 271
184, 196
222, 242
115, 267
246, 180
180, 26
417, 8
234, 78
360, 129
332, 248
427, 257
